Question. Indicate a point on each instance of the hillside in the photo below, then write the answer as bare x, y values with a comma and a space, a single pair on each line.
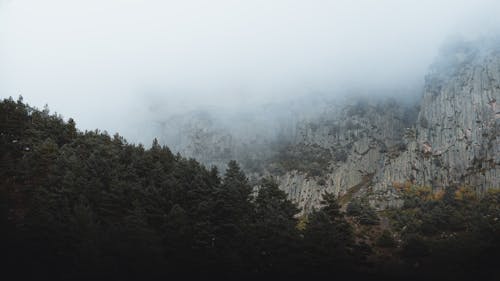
86, 206
366, 146
363, 188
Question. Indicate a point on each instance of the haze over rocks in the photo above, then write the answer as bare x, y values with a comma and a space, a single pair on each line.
367, 145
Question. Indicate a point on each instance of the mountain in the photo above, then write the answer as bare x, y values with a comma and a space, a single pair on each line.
456, 138
370, 146
89, 206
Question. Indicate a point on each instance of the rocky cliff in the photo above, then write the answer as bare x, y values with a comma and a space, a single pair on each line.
369, 146
357, 141
455, 140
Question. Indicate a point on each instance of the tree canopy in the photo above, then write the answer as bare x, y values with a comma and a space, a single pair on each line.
87, 205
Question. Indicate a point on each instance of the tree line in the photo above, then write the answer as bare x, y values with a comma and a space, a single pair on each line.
86, 205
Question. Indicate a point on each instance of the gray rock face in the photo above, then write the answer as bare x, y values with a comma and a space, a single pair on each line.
362, 137
456, 140
197, 136
366, 146
215, 137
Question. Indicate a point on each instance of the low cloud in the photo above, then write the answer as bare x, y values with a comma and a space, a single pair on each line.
122, 64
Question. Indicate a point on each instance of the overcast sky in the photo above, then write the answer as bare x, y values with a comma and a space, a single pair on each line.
106, 62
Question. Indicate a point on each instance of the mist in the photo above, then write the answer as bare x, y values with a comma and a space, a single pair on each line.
124, 65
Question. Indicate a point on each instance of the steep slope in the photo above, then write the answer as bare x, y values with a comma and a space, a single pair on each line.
249, 135
370, 146
358, 139
456, 140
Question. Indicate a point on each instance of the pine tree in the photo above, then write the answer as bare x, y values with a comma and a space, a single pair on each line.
362, 211
232, 211
275, 232
328, 236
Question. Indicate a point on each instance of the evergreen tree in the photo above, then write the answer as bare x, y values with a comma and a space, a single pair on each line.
232, 212
275, 233
362, 211
328, 237
85, 205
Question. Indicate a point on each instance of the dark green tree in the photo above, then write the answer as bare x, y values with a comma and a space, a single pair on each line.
232, 211
362, 211
328, 237
275, 234
385, 240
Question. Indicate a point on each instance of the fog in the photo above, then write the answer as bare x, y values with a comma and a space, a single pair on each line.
125, 65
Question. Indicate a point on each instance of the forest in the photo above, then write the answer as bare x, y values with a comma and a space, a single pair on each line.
80, 205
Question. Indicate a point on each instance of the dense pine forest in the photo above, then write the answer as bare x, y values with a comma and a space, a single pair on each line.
87, 205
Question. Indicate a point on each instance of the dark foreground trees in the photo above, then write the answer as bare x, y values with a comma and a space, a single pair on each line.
275, 235
86, 205
329, 238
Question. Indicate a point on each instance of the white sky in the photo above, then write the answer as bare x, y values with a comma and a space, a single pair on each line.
105, 62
